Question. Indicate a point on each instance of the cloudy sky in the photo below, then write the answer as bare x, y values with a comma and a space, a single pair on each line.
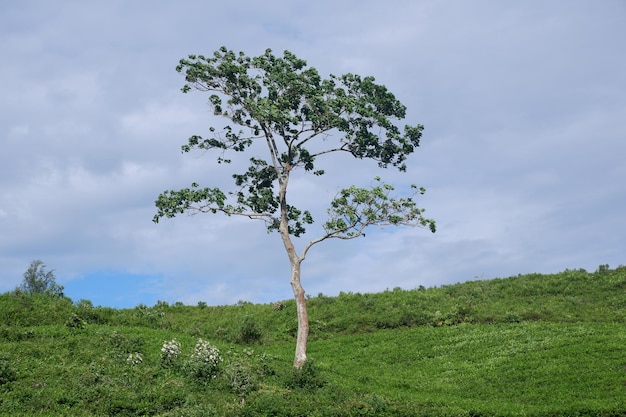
523, 154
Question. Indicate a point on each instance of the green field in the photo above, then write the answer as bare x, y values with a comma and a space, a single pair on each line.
531, 345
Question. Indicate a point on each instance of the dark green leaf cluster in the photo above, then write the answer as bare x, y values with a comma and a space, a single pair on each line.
170, 203
272, 96
7, 372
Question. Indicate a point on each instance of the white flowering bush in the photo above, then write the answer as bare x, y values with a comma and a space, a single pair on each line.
134, 359
170, 352
204, 361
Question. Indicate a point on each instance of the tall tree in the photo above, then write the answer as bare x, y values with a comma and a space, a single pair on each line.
38, 281
296, 116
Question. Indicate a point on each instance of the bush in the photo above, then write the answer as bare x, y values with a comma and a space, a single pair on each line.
308, 377
75, 322
241, 378
170, 352
249, 332
203, 365
95, 315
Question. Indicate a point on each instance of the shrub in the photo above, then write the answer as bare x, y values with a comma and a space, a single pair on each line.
249, 332
124, 343
83, 304
308, 377
241, 378
203, 364
170, 352
75, 322
151, 315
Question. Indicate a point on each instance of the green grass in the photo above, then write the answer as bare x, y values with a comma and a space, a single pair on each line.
533, 345
517, 369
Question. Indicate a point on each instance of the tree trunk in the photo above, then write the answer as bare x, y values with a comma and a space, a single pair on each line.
296, 262
303, 316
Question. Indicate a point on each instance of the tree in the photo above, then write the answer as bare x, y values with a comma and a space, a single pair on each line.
288, 110
38, 281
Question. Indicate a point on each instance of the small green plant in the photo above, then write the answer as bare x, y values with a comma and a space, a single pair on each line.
511, 317
241, 378
265, 364
7, 373
307, 377
75, 322
124, 343
250, 331
86, 311
152, 315
83, 304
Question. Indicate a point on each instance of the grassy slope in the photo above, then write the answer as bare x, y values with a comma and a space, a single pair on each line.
526, 345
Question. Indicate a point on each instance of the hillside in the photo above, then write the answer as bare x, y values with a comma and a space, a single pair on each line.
526, 346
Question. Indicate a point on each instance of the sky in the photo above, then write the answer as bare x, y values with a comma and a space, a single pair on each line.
523, 153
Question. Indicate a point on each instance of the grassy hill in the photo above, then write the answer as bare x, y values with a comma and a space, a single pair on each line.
531, 345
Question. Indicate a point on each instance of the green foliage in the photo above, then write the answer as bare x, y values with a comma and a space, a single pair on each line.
356, 208
152, 315
250, 331
203, 364
170, 353
241, 378
123, 343
307, 377
22, 309
38, 281
75, 322
290, 108
7, 372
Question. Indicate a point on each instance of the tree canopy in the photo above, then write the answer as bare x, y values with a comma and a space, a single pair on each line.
39, 281
286, 104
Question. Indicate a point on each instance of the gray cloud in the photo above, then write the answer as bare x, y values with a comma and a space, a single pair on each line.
522, 153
